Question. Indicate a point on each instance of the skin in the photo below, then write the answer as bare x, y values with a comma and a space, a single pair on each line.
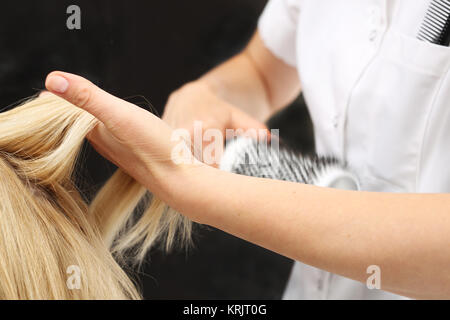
344, 232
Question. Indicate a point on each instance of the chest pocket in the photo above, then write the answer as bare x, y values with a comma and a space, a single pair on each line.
389, 110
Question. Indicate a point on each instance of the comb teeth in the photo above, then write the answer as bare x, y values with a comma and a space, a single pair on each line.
436, 25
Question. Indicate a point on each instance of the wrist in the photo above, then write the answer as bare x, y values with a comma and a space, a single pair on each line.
180, 186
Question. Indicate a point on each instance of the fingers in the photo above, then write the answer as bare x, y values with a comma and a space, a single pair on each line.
44, 94
241, 120
85, 95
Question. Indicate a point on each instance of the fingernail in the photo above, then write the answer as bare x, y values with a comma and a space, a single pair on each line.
57, 84
44, 94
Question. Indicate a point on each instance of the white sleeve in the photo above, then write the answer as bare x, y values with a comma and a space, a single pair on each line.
277, 27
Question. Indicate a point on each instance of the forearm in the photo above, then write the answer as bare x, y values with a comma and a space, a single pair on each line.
255, 81
237, 82
338, 231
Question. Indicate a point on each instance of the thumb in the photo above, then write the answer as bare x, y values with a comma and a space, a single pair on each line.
110, 110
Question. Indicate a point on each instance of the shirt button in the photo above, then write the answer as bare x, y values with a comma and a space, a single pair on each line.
373, 35
374, 12
335, 121
375, 22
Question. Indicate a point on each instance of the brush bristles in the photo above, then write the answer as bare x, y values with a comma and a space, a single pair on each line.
246, 156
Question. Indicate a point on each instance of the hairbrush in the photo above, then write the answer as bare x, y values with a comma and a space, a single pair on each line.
250, 157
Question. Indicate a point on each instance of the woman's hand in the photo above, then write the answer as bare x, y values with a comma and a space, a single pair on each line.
197, 108
132, 138
196, 101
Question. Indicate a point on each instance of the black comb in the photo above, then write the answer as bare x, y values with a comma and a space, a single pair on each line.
435, 27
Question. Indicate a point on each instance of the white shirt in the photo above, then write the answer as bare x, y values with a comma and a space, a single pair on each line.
378, 97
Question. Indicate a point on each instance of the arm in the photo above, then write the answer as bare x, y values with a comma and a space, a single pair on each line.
406, 235
255, 80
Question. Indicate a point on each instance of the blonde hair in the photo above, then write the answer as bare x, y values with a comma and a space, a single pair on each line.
47, 229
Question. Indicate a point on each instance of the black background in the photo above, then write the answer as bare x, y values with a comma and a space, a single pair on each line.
148, 49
